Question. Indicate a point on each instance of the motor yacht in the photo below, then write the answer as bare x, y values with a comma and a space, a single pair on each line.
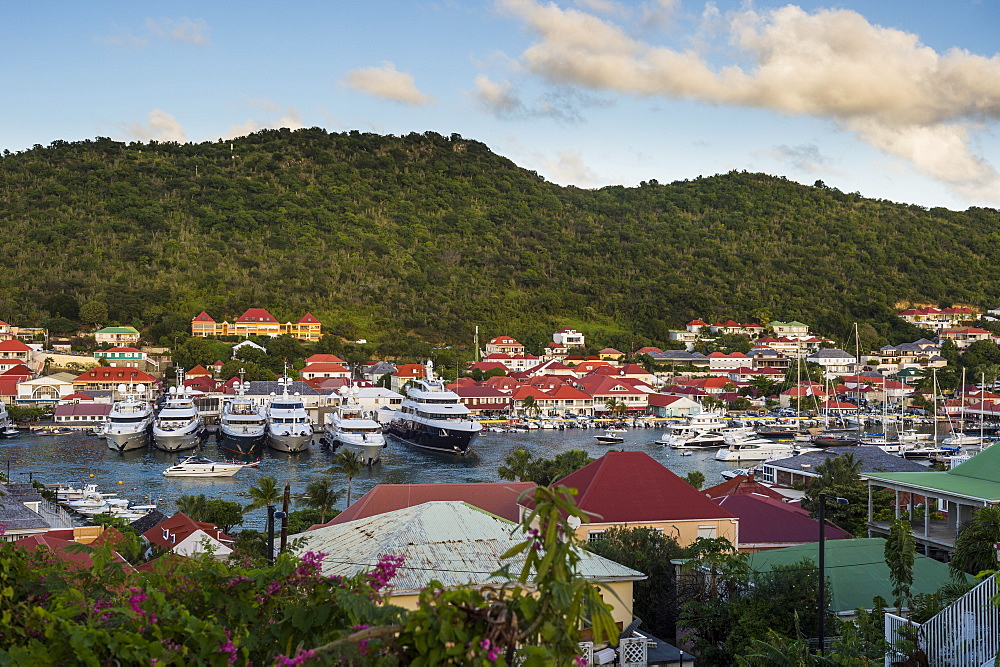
130, 420
178, 425
433, 417
243, 425
288, 425
199, 466
354, 429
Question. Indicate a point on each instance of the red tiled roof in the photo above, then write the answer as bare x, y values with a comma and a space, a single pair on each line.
13, 345
308, 319
197, 371
181, 526
765, 520
257, 315
610, 350
624, 487
8, 386
114, 374
499, 498
503, 340
123, 349
203, 317
741, 484
19, 371
410, 371
324, 367
329, 358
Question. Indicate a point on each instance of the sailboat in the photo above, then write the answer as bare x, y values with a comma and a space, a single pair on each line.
959, 437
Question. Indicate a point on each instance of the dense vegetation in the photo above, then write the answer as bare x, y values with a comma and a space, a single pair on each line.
431, 235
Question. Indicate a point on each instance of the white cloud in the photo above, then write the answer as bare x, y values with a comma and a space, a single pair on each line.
882, 84
388, 83
568, 168
190, 31
804, 158
496, 98
161, 127
180, 30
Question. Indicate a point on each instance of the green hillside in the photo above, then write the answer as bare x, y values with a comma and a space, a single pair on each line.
429, 235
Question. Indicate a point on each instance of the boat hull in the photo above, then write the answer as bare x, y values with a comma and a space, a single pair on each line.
175, 441
248, 444
291, 443
432, 438
124, 442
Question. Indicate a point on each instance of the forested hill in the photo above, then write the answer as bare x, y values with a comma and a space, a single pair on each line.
431, 235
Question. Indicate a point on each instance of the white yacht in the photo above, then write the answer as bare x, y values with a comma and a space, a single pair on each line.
350, 427
129, 421
178, 425
243, 425
199, 466
6, 423
288, 425
433, 417
754, 449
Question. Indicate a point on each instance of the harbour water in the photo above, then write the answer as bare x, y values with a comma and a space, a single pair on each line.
84, 458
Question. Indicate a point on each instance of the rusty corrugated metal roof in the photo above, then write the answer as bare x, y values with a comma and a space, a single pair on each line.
452, 542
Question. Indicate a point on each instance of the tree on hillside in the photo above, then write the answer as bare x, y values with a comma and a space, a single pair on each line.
94, 312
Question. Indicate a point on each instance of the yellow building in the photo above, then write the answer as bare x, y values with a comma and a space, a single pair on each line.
257, 322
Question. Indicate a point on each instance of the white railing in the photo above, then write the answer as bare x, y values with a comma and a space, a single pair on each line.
967, 632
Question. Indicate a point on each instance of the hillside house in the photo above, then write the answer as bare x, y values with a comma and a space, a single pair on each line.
567, 338
503, 345
116, 335
184, 536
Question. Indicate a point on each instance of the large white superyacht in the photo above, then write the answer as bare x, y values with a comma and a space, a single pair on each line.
178, 425
354, 429
129, 421
433, 417
288, 425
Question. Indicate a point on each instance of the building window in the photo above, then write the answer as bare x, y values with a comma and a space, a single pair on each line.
706, 532
595, 535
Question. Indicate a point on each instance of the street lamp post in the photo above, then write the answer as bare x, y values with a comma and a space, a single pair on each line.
822, 566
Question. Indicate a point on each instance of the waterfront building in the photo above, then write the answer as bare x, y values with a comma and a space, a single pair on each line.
108, 378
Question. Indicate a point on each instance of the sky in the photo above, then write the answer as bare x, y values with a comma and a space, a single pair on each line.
894, 99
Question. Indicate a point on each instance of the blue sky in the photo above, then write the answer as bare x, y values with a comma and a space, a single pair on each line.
895, 100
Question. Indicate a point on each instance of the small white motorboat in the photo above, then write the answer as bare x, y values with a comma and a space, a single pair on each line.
200, 466
609, 437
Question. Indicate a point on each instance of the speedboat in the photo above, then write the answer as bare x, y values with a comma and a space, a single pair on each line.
609, 437
354, 429
178, 425
433, 417
243, 425
129, 421
288, 426
199, 466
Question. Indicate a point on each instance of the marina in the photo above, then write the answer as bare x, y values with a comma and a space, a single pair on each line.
78, 456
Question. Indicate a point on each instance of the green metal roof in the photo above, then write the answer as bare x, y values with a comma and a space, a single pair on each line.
131, 330
793, 323
856, 570
978, 478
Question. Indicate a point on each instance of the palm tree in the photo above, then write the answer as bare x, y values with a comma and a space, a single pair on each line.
320, 496
975, 546
265, 493
530, 405
346, 462
194, 507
